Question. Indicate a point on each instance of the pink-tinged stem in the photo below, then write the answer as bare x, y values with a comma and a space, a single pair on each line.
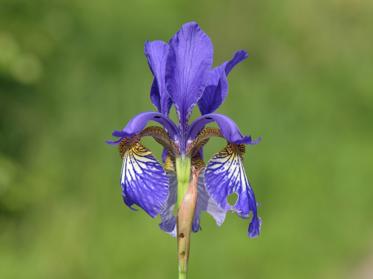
184, 224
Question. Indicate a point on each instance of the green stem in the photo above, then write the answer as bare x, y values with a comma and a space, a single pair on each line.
183, 165
182, 275
186, 201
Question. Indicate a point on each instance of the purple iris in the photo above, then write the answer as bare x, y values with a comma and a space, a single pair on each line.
184, 77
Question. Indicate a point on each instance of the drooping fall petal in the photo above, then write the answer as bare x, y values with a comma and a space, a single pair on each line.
143, 180
225, 175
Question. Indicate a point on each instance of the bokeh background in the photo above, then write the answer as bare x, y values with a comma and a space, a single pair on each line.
73, 71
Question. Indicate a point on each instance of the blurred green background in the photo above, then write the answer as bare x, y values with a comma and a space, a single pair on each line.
73, 71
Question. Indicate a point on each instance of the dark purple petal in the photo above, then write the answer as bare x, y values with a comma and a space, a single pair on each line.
157, 52
190, 58
206, 203
225, 175
255, 225
143, 180
155, 95
215, 93
237, 58
164, 154
217, 89
168, 218
227, 127
113, 142
138, 123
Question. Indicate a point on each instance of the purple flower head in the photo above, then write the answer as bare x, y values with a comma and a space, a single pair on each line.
184, 77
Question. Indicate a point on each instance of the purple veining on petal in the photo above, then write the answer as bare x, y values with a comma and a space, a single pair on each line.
143, 181
225, 175
156, 53
217, 89
190, 58
228, 128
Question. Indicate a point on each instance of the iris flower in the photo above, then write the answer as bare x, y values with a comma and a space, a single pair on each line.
184, 78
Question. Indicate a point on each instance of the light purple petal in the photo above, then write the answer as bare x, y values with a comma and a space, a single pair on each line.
206, 203
228, 128
168, 218
190, 58
217, 89
225, 175
138, 123
143, 180
156, 53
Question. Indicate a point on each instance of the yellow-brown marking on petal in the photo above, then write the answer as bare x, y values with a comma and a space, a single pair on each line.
232, 148
169, 164
202, 139
160, 136
197, 162
127, 144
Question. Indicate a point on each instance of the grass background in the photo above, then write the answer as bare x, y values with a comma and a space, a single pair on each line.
73, 71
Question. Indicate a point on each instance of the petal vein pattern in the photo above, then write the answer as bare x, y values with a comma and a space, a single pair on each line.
225, 175
143, 180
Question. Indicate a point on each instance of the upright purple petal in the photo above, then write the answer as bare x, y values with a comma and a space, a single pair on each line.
190, 58
143, 180
238, 57
217, 89
228, 128
157, 52
225, 175
215, 92
138, 123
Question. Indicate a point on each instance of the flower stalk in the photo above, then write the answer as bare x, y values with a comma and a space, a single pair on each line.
186, 208
183, 165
